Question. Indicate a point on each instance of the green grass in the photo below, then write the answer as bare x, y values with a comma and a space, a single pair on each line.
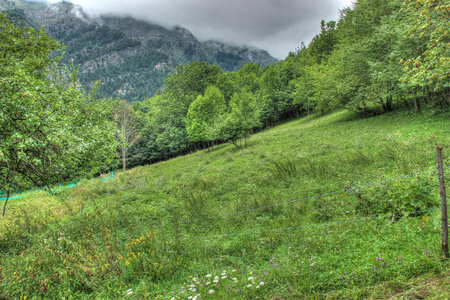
247, 213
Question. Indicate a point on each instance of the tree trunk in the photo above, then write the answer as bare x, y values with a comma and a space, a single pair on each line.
416, 101
447, 91
124, 152
6, 203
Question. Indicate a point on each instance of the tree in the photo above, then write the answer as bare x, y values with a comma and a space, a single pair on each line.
203, 113
432, 23
242, 118
50, 131
127, 126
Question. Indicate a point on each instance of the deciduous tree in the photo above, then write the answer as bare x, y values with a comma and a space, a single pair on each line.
50, 131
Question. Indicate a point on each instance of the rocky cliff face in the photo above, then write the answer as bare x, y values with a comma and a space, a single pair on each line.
131, 57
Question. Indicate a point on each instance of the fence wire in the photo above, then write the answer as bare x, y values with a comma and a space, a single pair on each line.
308, 226
300, 200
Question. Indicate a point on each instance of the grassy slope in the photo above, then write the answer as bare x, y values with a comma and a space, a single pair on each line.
117, 241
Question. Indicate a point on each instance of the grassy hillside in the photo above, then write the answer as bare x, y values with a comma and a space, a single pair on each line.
330, 208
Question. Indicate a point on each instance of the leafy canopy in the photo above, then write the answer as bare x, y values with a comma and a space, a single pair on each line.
50, 131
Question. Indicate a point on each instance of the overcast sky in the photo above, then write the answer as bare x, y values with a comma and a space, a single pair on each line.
278, 26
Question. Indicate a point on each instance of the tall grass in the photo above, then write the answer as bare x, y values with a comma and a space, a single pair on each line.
280, 218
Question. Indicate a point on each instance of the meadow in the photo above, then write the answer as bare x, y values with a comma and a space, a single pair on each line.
341, 207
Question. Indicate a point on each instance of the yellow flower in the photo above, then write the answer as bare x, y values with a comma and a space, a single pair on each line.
127, 263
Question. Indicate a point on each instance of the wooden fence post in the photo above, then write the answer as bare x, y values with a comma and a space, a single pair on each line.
443, 203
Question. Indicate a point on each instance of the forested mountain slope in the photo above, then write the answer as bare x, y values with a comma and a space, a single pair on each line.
131, 57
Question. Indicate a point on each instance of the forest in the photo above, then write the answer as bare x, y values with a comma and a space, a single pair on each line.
378, 56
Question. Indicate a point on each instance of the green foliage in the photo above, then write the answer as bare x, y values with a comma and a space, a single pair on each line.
50, 130
431, 23
396, 198
202, 114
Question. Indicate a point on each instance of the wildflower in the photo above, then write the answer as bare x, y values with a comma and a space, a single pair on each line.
250, 278
261, 283
234, 270
211, 291
129, 292
208, 283
208, 276
249, 285
257, 286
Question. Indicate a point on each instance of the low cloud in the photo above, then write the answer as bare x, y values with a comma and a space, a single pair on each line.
278, 26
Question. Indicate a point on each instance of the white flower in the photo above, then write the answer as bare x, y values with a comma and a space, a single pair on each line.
208, 283
223, 277
257, 286
208, 276
234, 278
250, 278
261, 283
190, 298
249, 285
216, 277
129, 292
216, 280
211, 291
234, 270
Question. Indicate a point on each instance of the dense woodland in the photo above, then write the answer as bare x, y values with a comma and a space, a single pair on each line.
379, 56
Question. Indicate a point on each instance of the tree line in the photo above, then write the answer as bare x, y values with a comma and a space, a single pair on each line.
378, 56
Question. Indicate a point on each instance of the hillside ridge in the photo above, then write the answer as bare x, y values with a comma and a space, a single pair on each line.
131, 57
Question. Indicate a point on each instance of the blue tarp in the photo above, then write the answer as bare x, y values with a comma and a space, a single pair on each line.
71, 185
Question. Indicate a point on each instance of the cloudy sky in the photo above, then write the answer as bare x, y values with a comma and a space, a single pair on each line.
278, 26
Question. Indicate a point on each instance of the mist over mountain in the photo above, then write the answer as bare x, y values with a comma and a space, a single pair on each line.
131, 57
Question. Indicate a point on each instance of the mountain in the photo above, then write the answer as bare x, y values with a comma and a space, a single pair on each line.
131, 57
